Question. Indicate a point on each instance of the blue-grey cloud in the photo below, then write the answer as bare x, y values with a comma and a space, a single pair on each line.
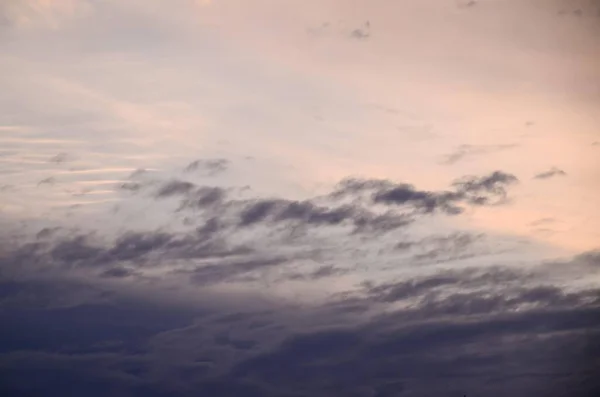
468, 332
485, 190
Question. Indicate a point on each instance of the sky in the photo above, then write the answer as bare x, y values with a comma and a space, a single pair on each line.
299, 198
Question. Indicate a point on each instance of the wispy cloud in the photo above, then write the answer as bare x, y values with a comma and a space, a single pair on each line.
554, 171
466, 151
49, 14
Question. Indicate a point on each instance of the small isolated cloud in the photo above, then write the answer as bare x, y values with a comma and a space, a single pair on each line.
47, 181
362, 33
467, 3
60, 158
550, 173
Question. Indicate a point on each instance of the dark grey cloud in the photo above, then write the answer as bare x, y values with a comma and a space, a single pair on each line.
204, 197
477, 303
117, 272
590, 258
309, 214
440, 357
125, 256
361, 207
273, 211
175, 188
427, 201
485, 190
46, 232
131, 186
76, 251
470, 190
322, 272
208, 167
552, 172
453, 280
81, 251
136, 245
474, 331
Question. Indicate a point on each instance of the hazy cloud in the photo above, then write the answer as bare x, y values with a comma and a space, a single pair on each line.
208, 167
466, 151
174, 188
550, 173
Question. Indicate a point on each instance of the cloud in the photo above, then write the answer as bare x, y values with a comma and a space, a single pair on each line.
117, 272
543, 221
420, 330
485, 190
235, 235
47, 181
467, 3
216, 273
438, 356
208, 167
367, 206
60, 158
469, 280
466, 331
472, 190
305, 213
48, 14
174, 188
360, 34
465, 151
204, 197
550, 173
